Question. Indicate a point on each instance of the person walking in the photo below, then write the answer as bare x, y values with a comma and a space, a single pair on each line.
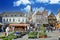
2, 28
7, 31
48, 28
51, 28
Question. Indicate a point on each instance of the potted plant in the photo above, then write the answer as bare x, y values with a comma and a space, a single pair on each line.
32, 35
9, 37
43, 33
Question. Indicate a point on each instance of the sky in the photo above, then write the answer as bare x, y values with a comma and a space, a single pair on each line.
24, 5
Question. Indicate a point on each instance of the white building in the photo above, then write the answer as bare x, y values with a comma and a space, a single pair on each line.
17, 19
14, 17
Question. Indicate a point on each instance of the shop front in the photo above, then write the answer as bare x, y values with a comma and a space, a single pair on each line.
57, 26
21, 27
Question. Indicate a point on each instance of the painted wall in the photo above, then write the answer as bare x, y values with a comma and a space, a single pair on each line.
14, 19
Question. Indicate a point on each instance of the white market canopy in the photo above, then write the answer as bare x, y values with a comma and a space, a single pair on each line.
1, 24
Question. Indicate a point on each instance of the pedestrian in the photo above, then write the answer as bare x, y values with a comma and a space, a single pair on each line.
13, 28
51, 28
54, 28
2, 28
7, 31
48, 28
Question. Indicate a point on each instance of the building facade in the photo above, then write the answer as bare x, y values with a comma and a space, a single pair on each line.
45, 17
58, 20
14, 17
40, 18
58, 16
17, 19
52, 19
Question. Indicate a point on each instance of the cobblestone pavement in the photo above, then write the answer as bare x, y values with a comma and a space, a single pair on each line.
51, 36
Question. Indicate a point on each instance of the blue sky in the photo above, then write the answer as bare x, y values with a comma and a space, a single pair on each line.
24, 5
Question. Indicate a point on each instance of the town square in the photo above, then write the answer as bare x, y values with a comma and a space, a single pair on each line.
30, 20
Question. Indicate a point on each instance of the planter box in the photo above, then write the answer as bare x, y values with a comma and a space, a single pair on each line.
42, 36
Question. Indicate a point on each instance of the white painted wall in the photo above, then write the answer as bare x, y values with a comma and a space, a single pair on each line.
22, 19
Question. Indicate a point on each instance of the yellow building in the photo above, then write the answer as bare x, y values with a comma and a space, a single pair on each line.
58, 16
58, 20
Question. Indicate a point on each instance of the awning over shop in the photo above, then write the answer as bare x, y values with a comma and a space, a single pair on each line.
18, 25
1, 24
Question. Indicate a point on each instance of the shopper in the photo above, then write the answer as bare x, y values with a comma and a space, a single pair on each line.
7, 31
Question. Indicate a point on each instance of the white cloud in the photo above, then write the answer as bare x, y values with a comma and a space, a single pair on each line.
26, 9
40, 9
54, 1
17, 3
49, 1
25, 2
35, 9
42, 1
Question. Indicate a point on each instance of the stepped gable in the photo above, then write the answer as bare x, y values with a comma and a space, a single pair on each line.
45, 12
38, 13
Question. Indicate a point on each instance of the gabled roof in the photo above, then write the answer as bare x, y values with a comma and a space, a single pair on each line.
51, 14
38, 13
59, 11
44, 12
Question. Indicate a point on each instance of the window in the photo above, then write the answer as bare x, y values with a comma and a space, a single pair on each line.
11, 15
15, 15
23, 20
6, 15
3, 20
20, 15
10, 20
18, 20
6, 20
26, 19
13, 20
38, 17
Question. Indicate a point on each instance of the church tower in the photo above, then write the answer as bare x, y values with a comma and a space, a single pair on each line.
30, 13
30, 10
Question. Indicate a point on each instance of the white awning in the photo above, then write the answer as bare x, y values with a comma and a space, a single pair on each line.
1, 24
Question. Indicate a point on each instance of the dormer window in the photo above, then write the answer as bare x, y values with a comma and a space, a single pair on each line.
6, 15
20, 15
15, 15
11, 15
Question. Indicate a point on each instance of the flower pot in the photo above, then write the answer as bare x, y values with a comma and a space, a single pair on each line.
42, 36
